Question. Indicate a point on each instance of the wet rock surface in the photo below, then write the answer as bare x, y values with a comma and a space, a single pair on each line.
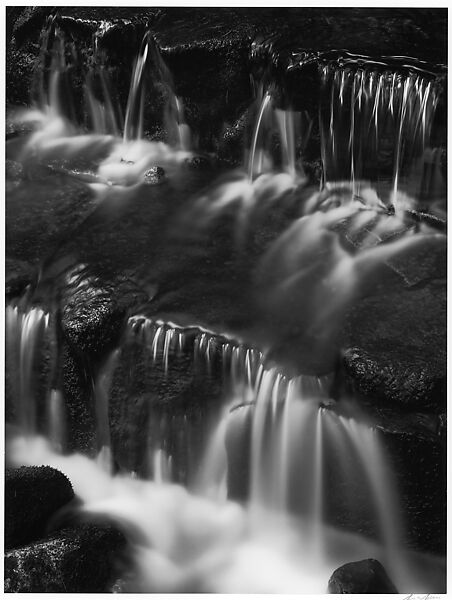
18, 274
32, 496
80, 559
418, 461
42, 213
94, 309
363, 577
151, 404
396, 347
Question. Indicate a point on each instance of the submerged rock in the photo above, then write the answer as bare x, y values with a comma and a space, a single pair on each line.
80, 559
32, 496
362, 577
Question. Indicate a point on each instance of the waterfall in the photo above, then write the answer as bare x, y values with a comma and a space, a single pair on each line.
240, 363
25, 332
287, 125
375, 125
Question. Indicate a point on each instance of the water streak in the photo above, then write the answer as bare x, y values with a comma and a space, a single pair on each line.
256, 160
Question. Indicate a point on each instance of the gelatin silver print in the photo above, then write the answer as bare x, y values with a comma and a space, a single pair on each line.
226, 300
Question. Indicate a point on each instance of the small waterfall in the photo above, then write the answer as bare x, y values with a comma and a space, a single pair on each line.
295, 448
56, 418
105, 115
240, 363
60, 123
26, 331
287, 125
149, 58
133, 124
58, 57
292, 439
375, 124
256, 160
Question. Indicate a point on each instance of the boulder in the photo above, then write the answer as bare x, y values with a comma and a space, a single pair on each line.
395, 346
81, 559
362, 577
32, 496
90, 317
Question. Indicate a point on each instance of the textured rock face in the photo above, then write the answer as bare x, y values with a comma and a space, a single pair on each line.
91, 318
419, 465
151, 406
32, 496
18, 274
397, 347
43, 212
80, 559
364, 577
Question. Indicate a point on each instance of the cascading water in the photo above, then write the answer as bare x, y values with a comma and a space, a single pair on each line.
262, 489
376, 119
295, 440
25, 332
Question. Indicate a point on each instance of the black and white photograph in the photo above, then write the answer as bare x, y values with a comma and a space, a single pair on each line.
225, 316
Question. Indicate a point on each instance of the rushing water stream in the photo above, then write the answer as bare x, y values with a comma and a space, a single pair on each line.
313, 463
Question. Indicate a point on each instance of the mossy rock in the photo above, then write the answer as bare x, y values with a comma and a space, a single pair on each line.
32, 496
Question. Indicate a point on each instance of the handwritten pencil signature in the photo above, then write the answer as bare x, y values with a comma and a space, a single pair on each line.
422, 597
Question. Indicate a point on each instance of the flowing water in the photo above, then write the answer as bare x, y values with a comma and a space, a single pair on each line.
314, 469
374, 119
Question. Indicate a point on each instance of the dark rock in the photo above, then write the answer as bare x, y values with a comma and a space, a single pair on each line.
414, 447
40, 214
396, 346
423, 262
91, 319
150, 406
80, 559
362, 577
18, 274
32, 496
233, 139
13, 170
419, 462
78, 399
198, 162
154, 175
93, 308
